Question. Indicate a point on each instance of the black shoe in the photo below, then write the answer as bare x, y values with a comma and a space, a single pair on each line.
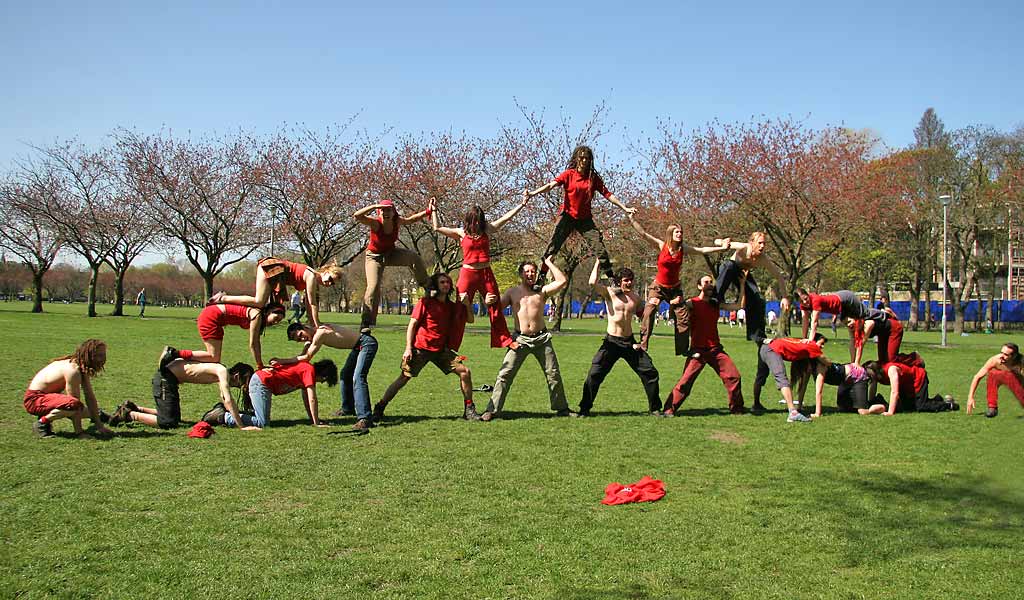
538, 285
121, 415
169, 354
215, 416
43, 430
992, 413
948, 398
757, 408
131, 406
104, 417
565, 412
469, 413
378, 412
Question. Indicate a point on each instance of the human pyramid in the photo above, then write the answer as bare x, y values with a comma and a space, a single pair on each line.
438, 322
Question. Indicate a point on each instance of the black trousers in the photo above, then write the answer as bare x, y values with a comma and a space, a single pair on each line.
729, 275
591, 235
612, 349
168, 403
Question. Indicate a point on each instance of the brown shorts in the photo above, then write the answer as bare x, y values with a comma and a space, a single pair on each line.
446, 360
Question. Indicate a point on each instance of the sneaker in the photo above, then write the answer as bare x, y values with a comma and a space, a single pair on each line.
668, 413
121, 415
378, 412
948, 398
655, 413
796, 417
487, 416
992, 413
131, 406
169, 354
758, 408
104, 416
483, 388
361, 425
469, 413
341, 412
581, 414
43, 430
565, 412
215, 416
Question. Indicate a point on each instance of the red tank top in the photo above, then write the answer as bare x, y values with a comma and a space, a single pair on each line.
296, 272
234, 314
475, 250
380, 242
668, 267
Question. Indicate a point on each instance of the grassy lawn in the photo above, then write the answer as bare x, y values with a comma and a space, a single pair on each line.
914, 506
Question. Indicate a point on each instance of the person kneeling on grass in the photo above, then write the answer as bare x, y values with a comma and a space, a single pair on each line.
276, 381
434, 334
167, 413
851, 379
355, 390
55, 391
772, 355
909, 388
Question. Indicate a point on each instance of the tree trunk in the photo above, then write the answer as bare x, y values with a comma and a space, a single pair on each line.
37, 290
94, 274
928, 307
915, 301
207, 284
119, 293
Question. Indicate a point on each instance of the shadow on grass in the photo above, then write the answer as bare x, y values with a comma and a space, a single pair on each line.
891, 516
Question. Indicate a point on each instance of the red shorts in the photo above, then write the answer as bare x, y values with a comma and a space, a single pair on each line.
209, 327
41, 403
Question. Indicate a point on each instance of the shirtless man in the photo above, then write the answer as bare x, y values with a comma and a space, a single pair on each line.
1002, 369
167, 413
355, 391
747, 256
620, 343
532, 338
55, 392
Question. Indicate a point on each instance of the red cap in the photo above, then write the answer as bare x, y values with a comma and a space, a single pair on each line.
387, 203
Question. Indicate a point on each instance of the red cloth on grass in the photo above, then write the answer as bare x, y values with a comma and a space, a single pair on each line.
645, 490
201, 429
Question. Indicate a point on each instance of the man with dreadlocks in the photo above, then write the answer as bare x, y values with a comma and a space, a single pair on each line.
55, 392
580, 181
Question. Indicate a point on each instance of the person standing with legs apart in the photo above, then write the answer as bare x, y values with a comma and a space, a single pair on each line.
619, 342
707, 350
274, 276
382, 251
580, 181
434, 334
666, 286
476, 275
532, 338
1005, 368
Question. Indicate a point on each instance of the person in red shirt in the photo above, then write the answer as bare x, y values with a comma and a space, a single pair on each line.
476, 276
1005, 368
909, 388
666, 286
276, 381
707, 349
580, 181
273, 278
211, 324
888, 330
382, 251
773, 355
434, 334
843, 303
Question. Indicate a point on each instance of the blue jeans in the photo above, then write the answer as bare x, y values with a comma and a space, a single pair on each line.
259, 397
355, 391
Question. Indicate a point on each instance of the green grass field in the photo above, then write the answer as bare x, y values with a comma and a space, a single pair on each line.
914, 506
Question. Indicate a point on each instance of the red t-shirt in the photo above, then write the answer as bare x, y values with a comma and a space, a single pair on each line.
579, 192
296, 272
668, 267
827, 303
793, 349
704, 324
911, 378
437, 321
380, 242
476, 250
287, 378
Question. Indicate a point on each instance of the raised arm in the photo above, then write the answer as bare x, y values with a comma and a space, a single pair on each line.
500, 221
542, 189
558, 278
989, 364
595, 281
615, 200
426, 212
362, 215
724, 245
455, 233
643, 233
731, 244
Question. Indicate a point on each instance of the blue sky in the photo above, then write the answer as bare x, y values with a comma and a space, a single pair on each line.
81, 69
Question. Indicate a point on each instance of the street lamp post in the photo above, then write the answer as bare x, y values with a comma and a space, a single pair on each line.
945, 198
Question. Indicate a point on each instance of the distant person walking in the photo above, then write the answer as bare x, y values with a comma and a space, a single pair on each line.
297, 307
141, 301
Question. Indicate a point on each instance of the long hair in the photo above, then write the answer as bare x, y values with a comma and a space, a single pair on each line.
86, 357
244, 372
333, 269
475, 222
270, 309
434, 286
1017, 361
325, 369
591, 173
673, 245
